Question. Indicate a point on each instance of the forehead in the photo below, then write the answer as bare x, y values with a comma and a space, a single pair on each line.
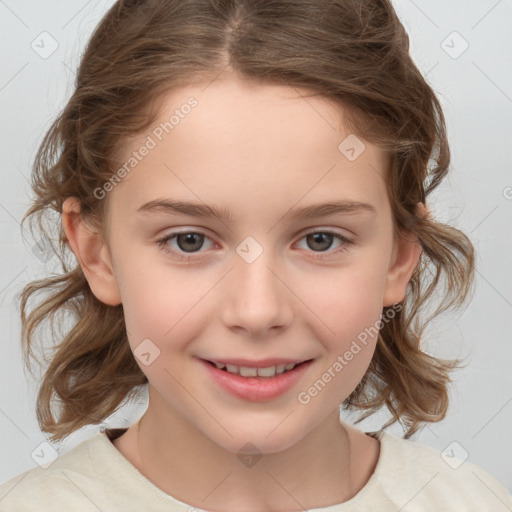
234, 142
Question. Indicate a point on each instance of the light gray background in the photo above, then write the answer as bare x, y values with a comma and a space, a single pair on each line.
475, 89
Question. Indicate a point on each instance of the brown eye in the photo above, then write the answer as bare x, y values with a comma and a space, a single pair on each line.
319, 241
182, 243
189, 242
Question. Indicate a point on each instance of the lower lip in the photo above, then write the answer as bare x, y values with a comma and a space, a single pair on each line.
256, 389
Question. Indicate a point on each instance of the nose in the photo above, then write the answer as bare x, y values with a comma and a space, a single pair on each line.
257, 297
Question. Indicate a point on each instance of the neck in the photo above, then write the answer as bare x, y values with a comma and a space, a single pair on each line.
182, 462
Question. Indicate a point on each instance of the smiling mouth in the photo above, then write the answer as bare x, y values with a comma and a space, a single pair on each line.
267, 372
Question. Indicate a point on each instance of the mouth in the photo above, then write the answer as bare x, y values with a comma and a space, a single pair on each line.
260, 381
261, 370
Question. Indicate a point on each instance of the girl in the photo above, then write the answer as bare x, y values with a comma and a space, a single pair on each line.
293, 145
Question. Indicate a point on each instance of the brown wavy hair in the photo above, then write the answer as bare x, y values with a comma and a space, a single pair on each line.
355, 53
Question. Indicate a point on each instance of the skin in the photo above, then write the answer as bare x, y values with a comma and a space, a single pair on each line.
260, 150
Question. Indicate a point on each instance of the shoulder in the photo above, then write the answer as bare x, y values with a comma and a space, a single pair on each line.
426, 479
92, 476
65, 481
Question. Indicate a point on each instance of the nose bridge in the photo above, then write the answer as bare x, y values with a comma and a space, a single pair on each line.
259, 298
254, 269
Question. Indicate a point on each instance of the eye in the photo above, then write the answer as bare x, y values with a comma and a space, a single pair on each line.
188, 243
322, 240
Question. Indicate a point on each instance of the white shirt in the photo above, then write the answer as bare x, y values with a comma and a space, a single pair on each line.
409, 477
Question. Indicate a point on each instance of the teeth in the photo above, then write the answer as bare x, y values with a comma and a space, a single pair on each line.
248, 372
245, 371
231, 368
265, 372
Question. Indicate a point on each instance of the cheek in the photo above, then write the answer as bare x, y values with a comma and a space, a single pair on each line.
348, 308
165, 307
149, 289
347, 300
354, 319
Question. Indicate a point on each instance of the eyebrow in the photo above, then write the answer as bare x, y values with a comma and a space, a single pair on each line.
203, 210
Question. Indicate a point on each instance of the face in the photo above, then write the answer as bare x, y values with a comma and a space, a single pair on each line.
265, 283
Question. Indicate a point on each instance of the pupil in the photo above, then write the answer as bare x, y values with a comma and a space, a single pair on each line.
188, 238
317, 238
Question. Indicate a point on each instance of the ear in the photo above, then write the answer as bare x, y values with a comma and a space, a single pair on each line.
406, 255
92, 253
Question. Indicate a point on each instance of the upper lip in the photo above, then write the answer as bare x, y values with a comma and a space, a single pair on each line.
262, 363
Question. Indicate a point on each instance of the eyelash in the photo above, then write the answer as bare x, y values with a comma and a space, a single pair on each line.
163, 244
